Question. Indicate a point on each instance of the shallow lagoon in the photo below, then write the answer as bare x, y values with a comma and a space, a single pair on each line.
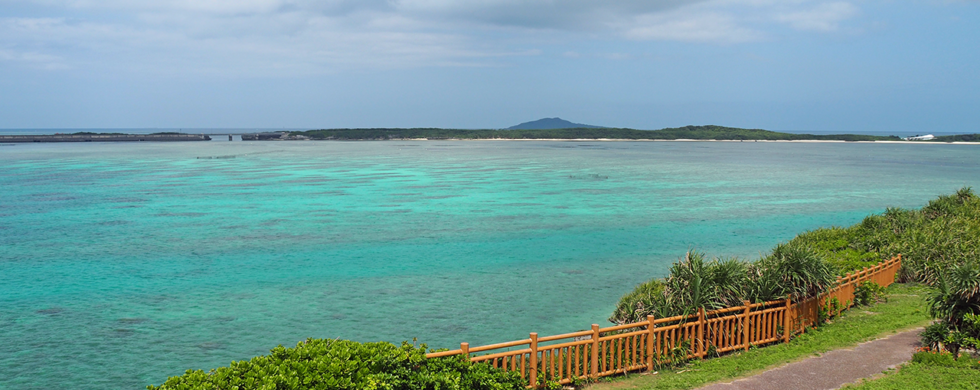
122, 264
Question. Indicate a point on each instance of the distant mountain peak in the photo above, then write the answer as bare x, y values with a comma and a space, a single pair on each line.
550, 123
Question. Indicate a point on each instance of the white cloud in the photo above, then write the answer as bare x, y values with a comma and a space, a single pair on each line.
210, 6
692, 28
35, 60
822, 17
575, 15
270, 37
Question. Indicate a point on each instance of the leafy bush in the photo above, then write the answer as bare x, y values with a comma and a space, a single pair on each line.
676, 355
943, 234
957, 293
343, 365
841, 247
832, 308
933, 357
934, 336
646, 299
868, 293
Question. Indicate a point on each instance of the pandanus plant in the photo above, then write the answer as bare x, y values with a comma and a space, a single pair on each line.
799, 273
955, 302
695, 283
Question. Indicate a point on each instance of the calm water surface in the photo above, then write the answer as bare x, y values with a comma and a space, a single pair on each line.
122, 264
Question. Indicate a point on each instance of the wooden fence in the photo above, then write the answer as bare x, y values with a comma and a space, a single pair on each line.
652, 343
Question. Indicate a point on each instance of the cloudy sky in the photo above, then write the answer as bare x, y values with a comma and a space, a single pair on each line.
869, 66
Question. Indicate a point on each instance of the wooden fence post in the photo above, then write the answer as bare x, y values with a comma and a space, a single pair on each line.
533, 374
700, 348
595, 351
650, 340
898, 267
745, 324
786, 320
466, 349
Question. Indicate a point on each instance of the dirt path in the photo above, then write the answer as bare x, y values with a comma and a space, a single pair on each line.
832, 369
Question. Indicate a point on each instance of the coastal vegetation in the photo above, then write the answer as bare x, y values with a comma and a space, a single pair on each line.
955, 304
686, 132
347, 365
937, 242
352, 364
936, 238
693, 283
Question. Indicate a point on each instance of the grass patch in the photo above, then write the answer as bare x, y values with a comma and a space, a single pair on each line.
905, 309
925, 376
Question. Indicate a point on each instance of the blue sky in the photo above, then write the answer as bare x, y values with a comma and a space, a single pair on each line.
855, 66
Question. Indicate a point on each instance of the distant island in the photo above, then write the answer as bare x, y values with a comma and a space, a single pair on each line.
542, 129
592, 132
551, 124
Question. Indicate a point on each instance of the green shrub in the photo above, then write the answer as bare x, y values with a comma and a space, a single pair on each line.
943, 359
944, 233
832, 308
800, 272
646, 299
957, 293
941, 236
934, 335
343, 365
867, 293
674, 356
695, 283
842, 248
955, 302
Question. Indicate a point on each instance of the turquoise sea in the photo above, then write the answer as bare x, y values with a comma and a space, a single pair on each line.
122, 264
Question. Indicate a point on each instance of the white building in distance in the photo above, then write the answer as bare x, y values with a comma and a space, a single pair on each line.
921, 137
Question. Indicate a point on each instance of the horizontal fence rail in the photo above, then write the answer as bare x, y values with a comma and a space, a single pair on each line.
655, 342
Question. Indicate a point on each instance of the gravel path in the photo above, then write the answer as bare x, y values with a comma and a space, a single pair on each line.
833, 369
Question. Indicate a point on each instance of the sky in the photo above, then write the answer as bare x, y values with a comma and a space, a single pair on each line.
910, 66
